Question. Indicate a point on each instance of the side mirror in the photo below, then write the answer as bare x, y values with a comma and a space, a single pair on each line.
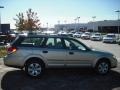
82, 48
73, 47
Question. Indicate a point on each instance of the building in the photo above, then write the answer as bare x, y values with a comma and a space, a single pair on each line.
4, 28
106, 26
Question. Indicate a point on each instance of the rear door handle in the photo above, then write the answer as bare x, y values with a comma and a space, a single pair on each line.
45, 51
71, 53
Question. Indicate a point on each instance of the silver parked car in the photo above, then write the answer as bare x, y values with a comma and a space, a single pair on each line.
35, 53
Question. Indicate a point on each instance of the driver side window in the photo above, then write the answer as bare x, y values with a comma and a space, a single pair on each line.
74, 45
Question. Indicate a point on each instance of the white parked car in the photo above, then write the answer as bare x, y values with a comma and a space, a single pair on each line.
86, 35
109, 38
77, 34
96, 37
62, 33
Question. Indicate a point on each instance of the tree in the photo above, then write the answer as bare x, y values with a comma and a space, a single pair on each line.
30, 22
19, 22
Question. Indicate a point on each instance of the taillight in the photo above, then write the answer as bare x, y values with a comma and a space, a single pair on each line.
11, 49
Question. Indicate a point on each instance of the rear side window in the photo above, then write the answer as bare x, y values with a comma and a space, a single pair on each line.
54, 43
27, 42
32, 42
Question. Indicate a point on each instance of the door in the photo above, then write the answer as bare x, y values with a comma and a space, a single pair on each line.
77, 54
54, 52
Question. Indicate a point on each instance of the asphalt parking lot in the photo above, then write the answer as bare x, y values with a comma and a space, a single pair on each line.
65, 79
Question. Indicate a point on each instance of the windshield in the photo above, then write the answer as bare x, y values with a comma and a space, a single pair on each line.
110, 35
97, 34
87, 33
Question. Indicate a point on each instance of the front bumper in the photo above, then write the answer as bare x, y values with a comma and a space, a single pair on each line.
85, 37
108, 41
97, 39
114, 62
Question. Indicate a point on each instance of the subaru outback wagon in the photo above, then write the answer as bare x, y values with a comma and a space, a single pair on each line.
36, 52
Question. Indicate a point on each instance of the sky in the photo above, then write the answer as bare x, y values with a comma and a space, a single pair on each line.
65, 11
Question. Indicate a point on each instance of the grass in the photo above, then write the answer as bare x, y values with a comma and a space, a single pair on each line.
3, 52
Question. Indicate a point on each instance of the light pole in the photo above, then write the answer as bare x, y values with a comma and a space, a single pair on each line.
93, 22
65, 21
75, 20
0, 19
75, 23
78, 19
58, 28
78, 22
58, 22
118, 11
47, 26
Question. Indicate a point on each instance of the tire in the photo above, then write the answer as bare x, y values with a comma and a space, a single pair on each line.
102, 67
34, 68
118, 43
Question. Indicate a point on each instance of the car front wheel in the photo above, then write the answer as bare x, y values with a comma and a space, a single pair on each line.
102, 67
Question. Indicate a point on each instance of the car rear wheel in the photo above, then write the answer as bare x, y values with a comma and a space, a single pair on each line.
102, 67
34, 68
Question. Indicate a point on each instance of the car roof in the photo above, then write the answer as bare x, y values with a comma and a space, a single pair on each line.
87, 32
57, 36
96, 33
110, 34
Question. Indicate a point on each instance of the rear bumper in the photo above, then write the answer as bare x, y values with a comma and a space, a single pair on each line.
12, 62
14, 66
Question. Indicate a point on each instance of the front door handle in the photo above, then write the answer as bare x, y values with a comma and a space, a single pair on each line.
45, 51
71, 53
